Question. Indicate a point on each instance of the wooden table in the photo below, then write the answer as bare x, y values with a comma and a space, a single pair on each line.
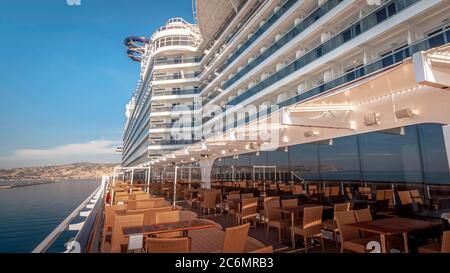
181, 226
395, 226
299, 209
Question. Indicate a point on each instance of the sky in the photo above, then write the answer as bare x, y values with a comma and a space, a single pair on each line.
65, 77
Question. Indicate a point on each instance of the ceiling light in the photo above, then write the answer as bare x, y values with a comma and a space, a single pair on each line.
204, 148
258, 153
286, 149
186, 151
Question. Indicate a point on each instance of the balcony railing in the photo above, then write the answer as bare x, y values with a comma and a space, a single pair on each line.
175, 77
274, 18
173, 142
289, 36
175, 92
176, 108
378, 16
196, 59
174, 125
396, 57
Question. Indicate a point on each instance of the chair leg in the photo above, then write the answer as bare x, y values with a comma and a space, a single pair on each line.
293, 239
267, 232
322, 243
306, 244
279, 236
335, 238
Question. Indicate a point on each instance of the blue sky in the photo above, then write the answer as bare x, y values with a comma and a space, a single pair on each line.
65, 77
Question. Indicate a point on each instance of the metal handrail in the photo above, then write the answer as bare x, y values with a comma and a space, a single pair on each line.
66, 223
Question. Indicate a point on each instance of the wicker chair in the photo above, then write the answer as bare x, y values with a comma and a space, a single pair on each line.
350, 237
117, 238
274, 217
209, 202
438, 248
248, 211
267, 249
235, 239
168, 217
310, 227
297, 189
289, 202
168, 245
331, 224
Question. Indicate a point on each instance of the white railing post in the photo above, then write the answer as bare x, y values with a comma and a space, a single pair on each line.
175, 186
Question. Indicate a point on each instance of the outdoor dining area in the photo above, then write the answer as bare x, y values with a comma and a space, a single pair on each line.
270, 217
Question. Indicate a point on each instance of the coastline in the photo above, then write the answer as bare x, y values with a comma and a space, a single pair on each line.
19, 183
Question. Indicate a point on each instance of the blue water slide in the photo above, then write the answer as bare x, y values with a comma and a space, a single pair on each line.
136, 47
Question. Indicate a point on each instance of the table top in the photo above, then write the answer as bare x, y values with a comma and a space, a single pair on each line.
194, 224
239, 200
300, 208
395, 225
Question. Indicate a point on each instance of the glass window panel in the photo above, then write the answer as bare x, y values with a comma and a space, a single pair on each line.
434, 154
391, 158
340, 161
303, 161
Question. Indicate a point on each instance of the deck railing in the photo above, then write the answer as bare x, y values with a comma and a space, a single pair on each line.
88, 209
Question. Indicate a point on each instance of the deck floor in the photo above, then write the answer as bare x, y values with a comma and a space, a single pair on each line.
257, 238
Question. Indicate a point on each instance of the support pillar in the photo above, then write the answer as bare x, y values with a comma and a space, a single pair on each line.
206, 169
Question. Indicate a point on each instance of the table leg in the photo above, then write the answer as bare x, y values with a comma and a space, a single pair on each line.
405, 242
383, 243
293, 218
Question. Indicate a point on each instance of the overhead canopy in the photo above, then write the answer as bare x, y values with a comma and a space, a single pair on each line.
212, 14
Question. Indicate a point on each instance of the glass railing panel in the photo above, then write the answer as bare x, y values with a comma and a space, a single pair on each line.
436, 40
176, 92
328, 46
291, 34
288, 4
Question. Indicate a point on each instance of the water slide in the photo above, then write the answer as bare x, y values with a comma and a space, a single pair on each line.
136, 47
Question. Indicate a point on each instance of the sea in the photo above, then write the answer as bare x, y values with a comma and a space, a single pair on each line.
29, 213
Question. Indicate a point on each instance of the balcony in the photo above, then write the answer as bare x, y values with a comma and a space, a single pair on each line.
398, 56
175, 76
377, 17
172, 142
176, 108
173, 125
176, 92
277, 15
173, 61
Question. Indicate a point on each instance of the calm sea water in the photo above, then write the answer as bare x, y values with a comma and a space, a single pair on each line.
28, 214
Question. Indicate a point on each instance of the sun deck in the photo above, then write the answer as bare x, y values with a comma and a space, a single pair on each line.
242, 217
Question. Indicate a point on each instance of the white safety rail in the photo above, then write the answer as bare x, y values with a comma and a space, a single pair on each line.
84, 210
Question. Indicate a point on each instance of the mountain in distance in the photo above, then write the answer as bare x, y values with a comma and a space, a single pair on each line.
74, 171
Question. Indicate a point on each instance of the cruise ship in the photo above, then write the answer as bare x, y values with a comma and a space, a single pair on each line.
298, 117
